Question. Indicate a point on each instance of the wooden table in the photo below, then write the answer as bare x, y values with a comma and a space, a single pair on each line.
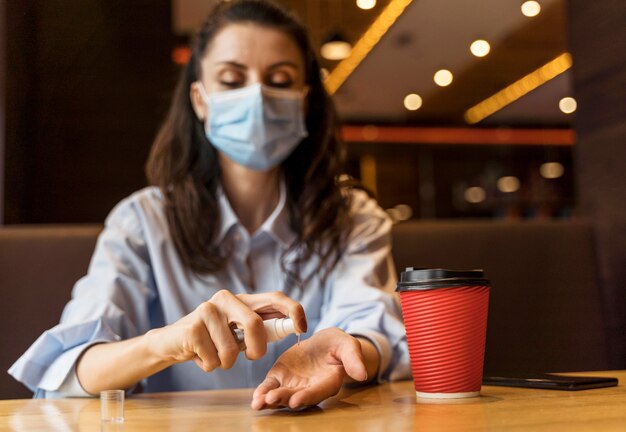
388, 407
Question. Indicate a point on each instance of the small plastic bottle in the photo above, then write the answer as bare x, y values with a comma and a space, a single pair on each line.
278, 328
275, 328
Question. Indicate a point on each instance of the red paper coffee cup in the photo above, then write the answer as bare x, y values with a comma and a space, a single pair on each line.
445, 315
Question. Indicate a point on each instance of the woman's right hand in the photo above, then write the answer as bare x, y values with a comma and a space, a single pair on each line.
205, 335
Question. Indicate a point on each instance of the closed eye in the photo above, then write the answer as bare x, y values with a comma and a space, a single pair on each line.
280, 79
231, 84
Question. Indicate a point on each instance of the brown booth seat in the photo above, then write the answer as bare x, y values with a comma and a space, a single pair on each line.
545, 309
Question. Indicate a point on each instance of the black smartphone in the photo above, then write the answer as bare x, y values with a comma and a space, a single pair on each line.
550, 381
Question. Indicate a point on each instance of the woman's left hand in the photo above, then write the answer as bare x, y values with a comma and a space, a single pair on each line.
312, 371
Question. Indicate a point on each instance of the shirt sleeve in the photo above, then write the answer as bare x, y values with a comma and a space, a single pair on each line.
361, 298
110, 303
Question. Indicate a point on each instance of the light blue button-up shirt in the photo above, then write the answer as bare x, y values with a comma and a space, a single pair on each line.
137, 281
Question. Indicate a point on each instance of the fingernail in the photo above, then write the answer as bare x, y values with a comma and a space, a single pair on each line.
302, 324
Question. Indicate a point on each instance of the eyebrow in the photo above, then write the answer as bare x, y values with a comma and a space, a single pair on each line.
273, 66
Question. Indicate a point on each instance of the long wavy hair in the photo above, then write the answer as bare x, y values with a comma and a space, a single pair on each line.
184, 164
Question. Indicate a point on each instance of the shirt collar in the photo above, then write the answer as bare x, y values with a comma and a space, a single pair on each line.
228, 218
276, 225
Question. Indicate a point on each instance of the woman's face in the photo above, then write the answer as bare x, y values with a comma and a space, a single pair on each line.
243, 54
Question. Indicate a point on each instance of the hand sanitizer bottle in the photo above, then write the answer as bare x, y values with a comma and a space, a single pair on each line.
275, 328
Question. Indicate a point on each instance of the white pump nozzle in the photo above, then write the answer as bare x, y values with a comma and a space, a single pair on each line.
278, 328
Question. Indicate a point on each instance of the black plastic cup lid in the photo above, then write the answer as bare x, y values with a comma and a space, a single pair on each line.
412, 279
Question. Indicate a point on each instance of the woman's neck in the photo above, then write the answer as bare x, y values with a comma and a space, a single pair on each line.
253, 195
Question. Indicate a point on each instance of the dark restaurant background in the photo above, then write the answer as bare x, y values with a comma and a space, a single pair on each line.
85, 84
88, 83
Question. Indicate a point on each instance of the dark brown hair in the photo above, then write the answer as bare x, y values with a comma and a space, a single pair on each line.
184, 165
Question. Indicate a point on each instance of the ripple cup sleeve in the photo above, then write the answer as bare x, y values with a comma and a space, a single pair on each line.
445, 316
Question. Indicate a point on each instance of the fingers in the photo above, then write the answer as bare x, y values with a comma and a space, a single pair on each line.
315, 393
280, 396
206, 358
238, 312
254, 333
214, 343
351, 356
267, 304
272, 394
258, 397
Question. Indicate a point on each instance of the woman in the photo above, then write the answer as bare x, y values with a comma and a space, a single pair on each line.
245, 221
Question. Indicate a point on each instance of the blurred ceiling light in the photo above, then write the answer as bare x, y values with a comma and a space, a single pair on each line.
567, 105
181, 55
364, 45
443, 77
403, 212
508, 184
475, 194
480, 48
412, 102
336, 47
518, 89
366, 4
551, 170
531, 8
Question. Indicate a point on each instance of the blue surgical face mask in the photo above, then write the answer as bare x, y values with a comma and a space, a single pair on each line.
255, 126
